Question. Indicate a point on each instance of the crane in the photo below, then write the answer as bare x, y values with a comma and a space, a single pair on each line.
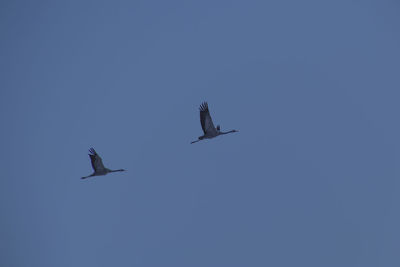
97, 165
208, 126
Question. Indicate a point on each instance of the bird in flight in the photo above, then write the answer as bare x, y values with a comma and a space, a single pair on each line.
208, 126
97, 165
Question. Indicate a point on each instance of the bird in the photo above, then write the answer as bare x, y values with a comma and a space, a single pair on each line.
97, 165
208, 126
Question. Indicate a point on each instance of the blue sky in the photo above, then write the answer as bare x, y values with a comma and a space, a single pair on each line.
311, 179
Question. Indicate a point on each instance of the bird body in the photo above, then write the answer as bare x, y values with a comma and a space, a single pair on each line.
210, 131
97, 165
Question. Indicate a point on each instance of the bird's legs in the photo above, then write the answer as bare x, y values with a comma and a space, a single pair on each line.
87, 176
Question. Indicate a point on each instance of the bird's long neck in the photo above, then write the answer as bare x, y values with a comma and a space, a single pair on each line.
232, 131
120, 170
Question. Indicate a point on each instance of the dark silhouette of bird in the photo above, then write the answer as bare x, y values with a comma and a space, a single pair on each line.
97, 165
208, 126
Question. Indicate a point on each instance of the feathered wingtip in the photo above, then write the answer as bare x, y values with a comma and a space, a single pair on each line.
92, 151
204, 106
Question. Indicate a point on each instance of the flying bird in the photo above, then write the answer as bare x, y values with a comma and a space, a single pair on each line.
97, 165
208, 126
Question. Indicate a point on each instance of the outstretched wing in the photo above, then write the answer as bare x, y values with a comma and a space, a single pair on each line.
97, 163
205, 119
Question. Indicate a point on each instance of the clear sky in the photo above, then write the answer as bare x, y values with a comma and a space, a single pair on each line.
311, 179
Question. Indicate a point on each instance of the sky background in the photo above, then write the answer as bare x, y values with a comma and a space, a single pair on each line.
311, 179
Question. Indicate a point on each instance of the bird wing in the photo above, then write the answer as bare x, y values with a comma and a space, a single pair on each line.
97, 163
205, 119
